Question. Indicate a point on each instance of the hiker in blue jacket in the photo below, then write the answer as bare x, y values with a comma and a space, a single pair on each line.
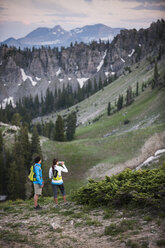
38, 182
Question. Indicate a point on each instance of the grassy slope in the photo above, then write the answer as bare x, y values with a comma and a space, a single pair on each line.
146, 116
91, 148
97, 103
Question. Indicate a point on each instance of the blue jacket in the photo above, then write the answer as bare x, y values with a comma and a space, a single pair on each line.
38, 174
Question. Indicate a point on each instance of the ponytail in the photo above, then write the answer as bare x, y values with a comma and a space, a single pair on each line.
55, 160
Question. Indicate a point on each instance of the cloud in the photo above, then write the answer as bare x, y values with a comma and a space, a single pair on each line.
144, 1
68, 14
139, 20
150, 7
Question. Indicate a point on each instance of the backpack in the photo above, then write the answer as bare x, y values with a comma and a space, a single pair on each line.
31, 175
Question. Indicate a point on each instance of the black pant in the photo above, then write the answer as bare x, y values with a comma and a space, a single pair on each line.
55, 189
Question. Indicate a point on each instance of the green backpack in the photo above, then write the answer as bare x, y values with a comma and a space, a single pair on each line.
31, 175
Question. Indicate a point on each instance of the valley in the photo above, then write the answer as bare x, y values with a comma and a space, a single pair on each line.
106, 150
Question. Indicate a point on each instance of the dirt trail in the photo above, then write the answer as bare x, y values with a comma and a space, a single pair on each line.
154, 143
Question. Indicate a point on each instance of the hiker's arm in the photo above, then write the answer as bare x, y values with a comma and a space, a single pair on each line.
63, 168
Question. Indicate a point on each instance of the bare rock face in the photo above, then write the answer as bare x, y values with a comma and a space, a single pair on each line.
33, 71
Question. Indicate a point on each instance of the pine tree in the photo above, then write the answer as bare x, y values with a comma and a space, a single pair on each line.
59, 129
142, 87
129, 96
137, 89
13, 179
100, 84
35, 143
95, 86
109, 109
71, 126
18, 157
120, 102
156, 77
26, 146
16, 119
1, 165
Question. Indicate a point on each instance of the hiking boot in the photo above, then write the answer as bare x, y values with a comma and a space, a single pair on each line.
66, 203
37, 207
56, 206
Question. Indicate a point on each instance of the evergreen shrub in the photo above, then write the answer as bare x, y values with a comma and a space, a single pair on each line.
141, 188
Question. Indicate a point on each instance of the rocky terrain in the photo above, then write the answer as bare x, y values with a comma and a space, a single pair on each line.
78, 226
31, 72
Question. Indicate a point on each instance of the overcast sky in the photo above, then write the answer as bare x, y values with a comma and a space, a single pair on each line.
19, 17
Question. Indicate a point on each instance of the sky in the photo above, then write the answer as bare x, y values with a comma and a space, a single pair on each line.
19, 17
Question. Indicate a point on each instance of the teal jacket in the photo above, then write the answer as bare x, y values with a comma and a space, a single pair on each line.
38, 174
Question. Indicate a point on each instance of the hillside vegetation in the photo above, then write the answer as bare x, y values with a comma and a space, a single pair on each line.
96, 105
107, 143
105, 146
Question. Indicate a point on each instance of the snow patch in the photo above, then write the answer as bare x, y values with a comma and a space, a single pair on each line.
140, 45
7, 101
110, 37
44, 43
60, 79
24, 77
49, 82
78, 30
102, 62
1, 63
82, 81
158, 152
151, 158
54, 33
69, 79
107, 73
122, 60
38, 79
130, 55
58, 72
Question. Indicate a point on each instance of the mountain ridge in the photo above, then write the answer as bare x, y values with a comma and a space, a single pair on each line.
32, 72
57, 36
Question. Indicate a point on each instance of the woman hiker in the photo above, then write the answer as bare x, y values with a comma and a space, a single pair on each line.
56, 179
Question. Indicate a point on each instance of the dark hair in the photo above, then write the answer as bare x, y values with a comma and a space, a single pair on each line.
55, 160
37, 159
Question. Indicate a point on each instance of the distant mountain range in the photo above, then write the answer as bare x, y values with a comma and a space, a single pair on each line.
57, 36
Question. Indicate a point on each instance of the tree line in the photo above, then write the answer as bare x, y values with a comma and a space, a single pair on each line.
16, 162
61, 130
155, 82
29, 107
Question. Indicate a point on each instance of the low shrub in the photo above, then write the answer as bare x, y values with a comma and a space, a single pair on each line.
142, 187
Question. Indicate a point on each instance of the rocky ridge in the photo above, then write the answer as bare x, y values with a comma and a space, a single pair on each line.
32, 72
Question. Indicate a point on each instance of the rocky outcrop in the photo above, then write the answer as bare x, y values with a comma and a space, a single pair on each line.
31, 72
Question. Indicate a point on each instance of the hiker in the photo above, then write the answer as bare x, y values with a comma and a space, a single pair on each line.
56, 179
38, 182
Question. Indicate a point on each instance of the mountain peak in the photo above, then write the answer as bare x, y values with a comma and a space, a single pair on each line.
57, 28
